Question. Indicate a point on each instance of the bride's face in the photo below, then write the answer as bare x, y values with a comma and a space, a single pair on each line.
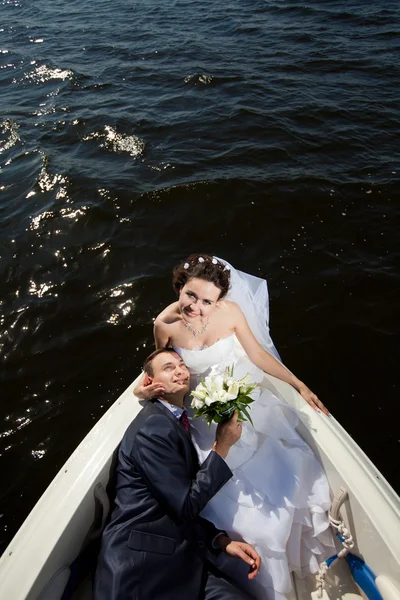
198, 298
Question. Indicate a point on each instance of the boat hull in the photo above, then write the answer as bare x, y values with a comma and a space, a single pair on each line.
37, 562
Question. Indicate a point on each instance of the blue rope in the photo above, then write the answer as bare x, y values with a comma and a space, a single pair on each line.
330, 560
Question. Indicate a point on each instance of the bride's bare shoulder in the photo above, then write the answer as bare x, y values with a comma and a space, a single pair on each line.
230, 309
228, 306
168, 316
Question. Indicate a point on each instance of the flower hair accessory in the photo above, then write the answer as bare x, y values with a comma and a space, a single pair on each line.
214, 261
186, 266
201, 259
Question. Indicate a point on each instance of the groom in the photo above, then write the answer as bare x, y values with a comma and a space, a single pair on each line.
156, 546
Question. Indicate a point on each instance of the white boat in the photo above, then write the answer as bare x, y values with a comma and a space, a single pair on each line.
38, 562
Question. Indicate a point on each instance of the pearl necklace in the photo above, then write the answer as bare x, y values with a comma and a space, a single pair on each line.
196, 332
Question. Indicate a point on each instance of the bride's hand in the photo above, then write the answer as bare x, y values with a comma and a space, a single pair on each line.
146, 389
154, 390
311, 398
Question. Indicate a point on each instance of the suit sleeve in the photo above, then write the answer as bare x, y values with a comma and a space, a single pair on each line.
211, 534
158, 455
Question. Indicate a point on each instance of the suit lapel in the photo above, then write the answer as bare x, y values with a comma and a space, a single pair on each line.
185, 435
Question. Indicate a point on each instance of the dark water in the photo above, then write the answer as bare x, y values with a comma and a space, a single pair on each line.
133, 133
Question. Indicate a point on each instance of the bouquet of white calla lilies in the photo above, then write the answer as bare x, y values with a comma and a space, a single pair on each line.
218, 396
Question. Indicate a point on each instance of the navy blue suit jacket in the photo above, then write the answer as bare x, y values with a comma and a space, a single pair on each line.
156, 545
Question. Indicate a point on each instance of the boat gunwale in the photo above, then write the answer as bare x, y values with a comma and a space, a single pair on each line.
103, 439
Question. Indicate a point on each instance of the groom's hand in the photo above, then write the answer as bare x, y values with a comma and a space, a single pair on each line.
227, 434
243, 551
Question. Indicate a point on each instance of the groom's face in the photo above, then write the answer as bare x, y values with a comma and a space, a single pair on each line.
170, 370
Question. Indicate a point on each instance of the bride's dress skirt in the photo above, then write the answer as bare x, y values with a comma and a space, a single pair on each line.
278, 496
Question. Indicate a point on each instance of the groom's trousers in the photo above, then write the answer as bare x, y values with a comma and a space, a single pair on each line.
220, 587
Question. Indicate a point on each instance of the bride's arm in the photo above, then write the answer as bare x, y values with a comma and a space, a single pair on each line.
143, 389
161, 337
265, 361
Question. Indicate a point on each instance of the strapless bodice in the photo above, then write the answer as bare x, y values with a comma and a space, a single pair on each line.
200, 361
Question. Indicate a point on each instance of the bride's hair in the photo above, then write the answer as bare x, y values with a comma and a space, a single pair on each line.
204, 267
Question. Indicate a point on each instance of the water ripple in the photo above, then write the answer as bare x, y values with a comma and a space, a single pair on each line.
134, 133
44, 73
115, 142
9, 129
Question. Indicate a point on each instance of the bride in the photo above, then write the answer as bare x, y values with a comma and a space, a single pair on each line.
278, 496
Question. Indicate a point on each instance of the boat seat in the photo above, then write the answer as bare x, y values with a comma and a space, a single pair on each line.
85, 563
56, 586
67, 580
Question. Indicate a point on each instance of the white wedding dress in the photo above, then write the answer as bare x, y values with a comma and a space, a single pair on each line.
278, 496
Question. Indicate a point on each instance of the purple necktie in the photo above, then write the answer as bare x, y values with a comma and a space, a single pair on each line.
185, 421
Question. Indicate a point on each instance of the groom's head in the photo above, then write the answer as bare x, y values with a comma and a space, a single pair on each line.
167, 367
